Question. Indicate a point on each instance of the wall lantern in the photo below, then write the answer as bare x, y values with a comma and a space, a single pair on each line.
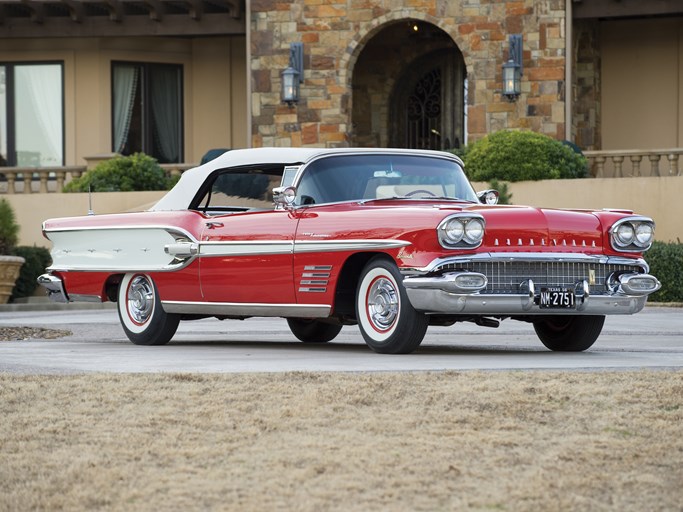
512, 69
293, 75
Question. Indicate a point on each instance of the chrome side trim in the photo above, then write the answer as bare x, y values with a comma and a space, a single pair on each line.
245, 247
84, 298
247, 309
170, 229
302, 246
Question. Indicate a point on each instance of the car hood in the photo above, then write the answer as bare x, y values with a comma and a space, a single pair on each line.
514, 228
527, 228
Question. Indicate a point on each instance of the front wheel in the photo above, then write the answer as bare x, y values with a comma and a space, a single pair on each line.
569, 333
143, 319
387, 320
313, 331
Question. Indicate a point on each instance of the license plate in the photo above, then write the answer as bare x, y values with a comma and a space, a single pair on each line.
557, 298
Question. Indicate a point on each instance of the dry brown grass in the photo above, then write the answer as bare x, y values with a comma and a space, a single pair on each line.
300, 441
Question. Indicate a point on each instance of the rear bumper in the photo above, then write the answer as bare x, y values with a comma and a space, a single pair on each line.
54, 287
443, 295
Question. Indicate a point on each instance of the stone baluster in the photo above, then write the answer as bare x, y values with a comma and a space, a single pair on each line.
11, 179
28, 176
673, 165
61, 176
600, 166
43, 181
654, 164
635, 161
618, 160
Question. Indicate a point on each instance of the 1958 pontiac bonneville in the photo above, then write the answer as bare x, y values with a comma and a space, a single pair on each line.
391, 240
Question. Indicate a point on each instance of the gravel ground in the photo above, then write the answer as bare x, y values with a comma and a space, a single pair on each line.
27, 333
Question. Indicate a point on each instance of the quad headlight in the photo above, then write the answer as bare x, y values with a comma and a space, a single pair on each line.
461, 231
632, 234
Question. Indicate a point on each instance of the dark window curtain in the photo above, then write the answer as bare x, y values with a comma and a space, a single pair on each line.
125, 84
165, 96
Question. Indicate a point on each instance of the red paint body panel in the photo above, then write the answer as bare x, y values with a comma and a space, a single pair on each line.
262, 277
276, 276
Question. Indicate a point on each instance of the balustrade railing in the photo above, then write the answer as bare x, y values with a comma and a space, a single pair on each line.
42, 180
633, 163
602, 164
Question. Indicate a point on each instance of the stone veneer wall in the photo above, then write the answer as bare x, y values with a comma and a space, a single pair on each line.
334, 33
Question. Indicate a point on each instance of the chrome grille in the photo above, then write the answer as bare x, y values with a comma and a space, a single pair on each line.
506, 276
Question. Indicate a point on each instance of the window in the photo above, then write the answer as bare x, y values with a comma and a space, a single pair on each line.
147, 110
240, 189
31, 114
367, 177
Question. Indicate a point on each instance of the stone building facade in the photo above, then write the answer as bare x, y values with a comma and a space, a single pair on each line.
361, 55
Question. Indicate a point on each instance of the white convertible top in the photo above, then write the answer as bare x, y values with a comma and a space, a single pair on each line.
184, 191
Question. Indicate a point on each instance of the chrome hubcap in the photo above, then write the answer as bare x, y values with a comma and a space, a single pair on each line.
382, 304
140, 299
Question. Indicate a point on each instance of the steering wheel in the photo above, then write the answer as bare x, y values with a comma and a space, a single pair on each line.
421, 191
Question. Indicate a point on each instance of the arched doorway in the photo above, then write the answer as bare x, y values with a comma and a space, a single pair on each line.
428, 103
409, 89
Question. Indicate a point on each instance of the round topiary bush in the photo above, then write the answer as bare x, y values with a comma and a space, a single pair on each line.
522, 156
122, 174
9, 229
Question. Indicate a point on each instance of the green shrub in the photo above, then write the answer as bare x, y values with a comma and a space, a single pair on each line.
666, 264
522, 156
37, 259
9, 229
122, 174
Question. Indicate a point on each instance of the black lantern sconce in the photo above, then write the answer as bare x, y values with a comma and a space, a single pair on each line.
293, 75
512, 69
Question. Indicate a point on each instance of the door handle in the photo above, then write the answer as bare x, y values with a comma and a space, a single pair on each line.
214, 224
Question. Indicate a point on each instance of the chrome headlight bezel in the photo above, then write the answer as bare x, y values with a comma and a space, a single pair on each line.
632, 234
461, 231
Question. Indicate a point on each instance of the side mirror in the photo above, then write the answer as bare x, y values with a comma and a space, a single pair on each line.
489, 196
283, 197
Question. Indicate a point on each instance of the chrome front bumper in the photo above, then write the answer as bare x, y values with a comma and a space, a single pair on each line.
453, 294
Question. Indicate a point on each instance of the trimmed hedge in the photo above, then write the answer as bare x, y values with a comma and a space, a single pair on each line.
122, 174
666, 264
521, 156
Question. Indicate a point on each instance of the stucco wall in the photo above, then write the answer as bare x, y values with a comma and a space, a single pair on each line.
214, 76
646, 196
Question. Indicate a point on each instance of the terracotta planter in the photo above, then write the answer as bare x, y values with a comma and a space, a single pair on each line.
9, 271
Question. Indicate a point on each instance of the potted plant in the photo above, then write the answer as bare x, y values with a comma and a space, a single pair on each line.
10, 265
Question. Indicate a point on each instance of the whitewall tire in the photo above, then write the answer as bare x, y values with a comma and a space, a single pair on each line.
388, 322
142, 317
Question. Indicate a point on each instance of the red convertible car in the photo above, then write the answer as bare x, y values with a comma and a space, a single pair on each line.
391, 240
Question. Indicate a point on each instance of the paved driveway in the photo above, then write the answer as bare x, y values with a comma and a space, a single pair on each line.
650, 339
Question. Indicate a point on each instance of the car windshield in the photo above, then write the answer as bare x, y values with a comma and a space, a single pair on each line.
371, 177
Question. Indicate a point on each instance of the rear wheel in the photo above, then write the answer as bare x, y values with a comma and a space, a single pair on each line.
143, 319
388, 322
569, 333
313, 331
